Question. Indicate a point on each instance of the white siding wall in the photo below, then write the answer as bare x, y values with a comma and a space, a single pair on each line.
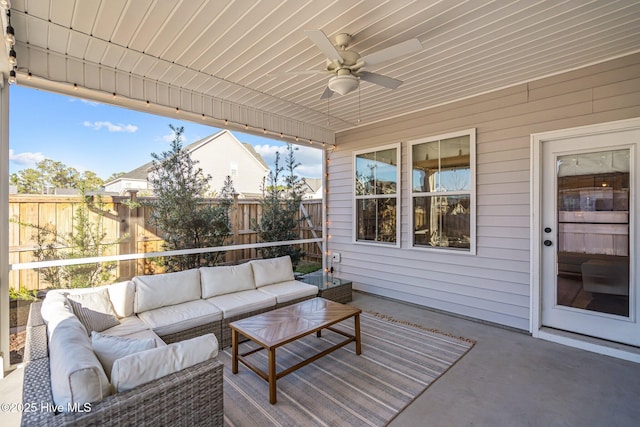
119, 186
216, 157
494, 285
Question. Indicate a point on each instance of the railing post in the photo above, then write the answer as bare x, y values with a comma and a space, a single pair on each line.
131, 225
235, 226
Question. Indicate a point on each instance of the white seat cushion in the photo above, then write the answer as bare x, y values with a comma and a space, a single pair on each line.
161, 290
180, 317
128, 325
77, 376
133, 327
242, 302
226, 279
289, 291
272, 270
140, 368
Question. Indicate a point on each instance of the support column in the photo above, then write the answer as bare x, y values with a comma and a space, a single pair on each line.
4, 224
325, 197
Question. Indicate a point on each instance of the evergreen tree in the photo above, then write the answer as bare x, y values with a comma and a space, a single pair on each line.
184, 219
280, 219
86, 240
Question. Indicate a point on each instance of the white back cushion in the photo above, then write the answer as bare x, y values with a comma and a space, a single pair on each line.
226, 279
77, 377
140, 368
94, 309
272, 270
161, 290
122, 295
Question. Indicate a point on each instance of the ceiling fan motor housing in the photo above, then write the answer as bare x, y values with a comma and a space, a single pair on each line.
343, 83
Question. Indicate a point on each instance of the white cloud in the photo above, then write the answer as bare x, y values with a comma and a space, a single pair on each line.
111, 127
85, 101
27, 159
310, 159
309, 156
170, 137
269, 151
90, 103
309, 171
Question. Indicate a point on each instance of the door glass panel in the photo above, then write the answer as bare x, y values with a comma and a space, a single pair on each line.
593, 231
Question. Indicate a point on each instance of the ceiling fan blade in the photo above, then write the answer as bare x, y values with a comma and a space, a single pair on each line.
379, 79
324, 44
327, 93
392, 52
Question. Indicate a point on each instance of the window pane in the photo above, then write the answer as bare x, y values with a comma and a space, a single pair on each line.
425, 166
376, 220
442, 165
442, 221
376, 172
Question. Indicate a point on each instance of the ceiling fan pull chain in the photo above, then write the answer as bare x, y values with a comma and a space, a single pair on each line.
358, 104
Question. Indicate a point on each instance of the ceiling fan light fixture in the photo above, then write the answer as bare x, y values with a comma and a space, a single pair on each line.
343, 84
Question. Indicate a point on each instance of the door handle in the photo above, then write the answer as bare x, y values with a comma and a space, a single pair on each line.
548, 243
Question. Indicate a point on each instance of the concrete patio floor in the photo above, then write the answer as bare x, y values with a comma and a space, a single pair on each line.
507, 379
511, 379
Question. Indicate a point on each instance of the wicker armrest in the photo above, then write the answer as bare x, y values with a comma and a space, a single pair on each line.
191, 397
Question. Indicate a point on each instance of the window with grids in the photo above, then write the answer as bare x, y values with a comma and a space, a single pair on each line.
377, 195
443, 191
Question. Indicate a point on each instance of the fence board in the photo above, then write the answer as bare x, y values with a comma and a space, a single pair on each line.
141, 237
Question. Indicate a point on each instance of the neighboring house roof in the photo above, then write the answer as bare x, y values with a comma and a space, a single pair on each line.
141, 172
313, 184
312, 188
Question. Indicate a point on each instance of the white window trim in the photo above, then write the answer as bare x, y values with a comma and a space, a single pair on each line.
355, 240
472, 191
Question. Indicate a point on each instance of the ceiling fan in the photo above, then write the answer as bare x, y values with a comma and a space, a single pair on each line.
347, 66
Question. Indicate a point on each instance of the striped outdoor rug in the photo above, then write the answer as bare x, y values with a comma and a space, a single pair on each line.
398, 362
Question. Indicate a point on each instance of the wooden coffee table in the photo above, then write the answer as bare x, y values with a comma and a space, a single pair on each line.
287, 324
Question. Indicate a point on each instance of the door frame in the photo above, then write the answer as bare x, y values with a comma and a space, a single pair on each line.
536, 328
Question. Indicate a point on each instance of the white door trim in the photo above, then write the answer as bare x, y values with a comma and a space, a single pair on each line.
535, 323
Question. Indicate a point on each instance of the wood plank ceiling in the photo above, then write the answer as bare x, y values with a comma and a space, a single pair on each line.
228, 51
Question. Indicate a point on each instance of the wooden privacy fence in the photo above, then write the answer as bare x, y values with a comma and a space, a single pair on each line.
120, 219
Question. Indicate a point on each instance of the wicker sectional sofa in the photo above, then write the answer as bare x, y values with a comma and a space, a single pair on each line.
144, 352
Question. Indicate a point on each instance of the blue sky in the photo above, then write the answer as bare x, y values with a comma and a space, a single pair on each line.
106, 139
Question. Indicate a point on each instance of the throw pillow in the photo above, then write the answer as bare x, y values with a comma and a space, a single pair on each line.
109, 348
94, 309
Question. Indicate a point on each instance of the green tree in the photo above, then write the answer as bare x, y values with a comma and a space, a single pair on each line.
89, 181
180, 212
28, 181
87, 239
53, 174
281, 200
113, 176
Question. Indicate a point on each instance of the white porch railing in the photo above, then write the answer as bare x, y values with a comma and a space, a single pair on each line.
127, 257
